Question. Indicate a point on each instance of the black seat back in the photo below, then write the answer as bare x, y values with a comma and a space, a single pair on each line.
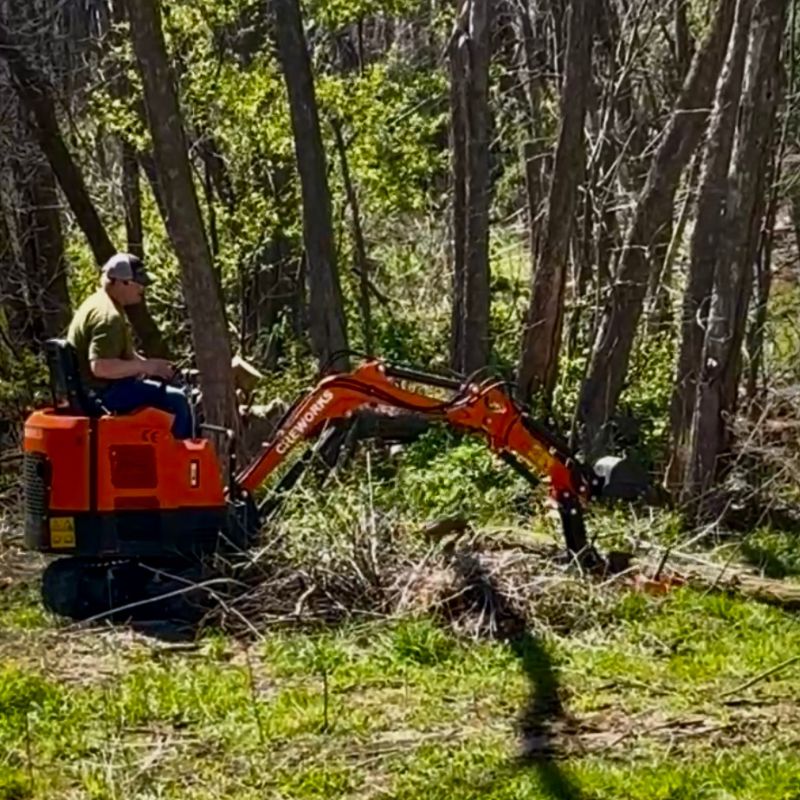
70, 396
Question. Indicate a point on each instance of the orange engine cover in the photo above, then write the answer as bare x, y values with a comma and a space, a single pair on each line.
139, 465
65, 443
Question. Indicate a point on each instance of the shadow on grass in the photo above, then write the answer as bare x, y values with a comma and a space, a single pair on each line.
543, 712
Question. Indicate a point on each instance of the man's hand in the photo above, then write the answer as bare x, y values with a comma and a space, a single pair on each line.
158, 368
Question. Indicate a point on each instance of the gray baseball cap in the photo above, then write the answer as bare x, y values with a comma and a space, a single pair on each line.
126, 267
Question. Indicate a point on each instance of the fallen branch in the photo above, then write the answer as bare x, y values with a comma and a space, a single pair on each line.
760, 677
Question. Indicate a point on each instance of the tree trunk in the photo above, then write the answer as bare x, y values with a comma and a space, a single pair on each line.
12, 285
34, 96
458, 135
327, 320
683, 38
612, 348
541, 339
469, 104
46, 268
184, 223
132, 200
358, 240
716, 391
763, 284
530, 83
704, 244
475, 322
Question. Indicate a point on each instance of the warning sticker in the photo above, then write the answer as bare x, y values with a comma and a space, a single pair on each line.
62, 532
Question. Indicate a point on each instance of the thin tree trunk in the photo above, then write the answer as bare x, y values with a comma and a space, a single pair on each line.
755, 338
458, 135
12, 284
541, 339
532, 150
34, 95
358, 239
763, 281
612, 349
46, 265
132, 200
475, 322
327, 322
184, 222
703, 249
716, 391
661, 311
683, 38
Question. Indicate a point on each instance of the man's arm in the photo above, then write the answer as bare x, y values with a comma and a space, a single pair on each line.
108, 344
112, 369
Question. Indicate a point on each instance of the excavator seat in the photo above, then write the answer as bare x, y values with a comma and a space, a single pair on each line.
70, 396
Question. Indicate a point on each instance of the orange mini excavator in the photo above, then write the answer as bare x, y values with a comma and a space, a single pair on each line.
114, 492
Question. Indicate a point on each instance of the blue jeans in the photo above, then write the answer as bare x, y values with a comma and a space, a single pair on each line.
127, 394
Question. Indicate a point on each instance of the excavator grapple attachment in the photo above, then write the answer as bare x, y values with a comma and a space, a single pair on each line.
623, 479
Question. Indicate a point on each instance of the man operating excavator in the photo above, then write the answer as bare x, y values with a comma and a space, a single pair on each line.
118, 377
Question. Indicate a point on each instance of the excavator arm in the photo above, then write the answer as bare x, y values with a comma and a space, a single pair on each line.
485, 408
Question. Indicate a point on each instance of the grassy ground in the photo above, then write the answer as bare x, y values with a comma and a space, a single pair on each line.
648, 700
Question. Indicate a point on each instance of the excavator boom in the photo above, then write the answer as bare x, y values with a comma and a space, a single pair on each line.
484, 408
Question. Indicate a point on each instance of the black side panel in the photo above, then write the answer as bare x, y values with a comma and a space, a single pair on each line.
142, 533
36, 471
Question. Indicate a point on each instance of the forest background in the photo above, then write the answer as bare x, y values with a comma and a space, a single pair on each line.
598, 201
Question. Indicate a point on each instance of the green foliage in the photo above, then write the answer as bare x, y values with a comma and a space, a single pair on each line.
24, 694
775, 553
395, 122
421, 642
337, 14
14, 784
444, 475
24, 385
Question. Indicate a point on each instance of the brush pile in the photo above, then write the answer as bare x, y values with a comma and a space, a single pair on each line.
490, 584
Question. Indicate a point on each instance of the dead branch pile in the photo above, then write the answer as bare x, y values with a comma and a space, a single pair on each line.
763, 483
480, 585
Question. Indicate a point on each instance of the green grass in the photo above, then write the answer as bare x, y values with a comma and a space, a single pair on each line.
632, 708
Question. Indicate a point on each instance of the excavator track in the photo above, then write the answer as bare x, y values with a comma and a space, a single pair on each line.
123, 589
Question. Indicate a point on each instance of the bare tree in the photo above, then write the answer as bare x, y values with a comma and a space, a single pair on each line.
458, 147
469, 92
743, 204
542, 333
705, 239
327, 322
184, 223
43, 247
609, 361
36, 98
362, 262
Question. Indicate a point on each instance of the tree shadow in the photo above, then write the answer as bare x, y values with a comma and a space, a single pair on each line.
542, 720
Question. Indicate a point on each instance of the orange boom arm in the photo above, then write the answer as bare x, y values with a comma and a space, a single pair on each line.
484, 408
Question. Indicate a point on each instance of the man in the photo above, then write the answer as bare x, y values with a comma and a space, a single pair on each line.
109, 366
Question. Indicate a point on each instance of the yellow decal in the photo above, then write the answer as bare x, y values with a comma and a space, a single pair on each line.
62, 532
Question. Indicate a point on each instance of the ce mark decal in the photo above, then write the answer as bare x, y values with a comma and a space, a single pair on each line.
150, 436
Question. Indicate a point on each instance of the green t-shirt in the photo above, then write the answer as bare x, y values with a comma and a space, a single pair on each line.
99, 329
